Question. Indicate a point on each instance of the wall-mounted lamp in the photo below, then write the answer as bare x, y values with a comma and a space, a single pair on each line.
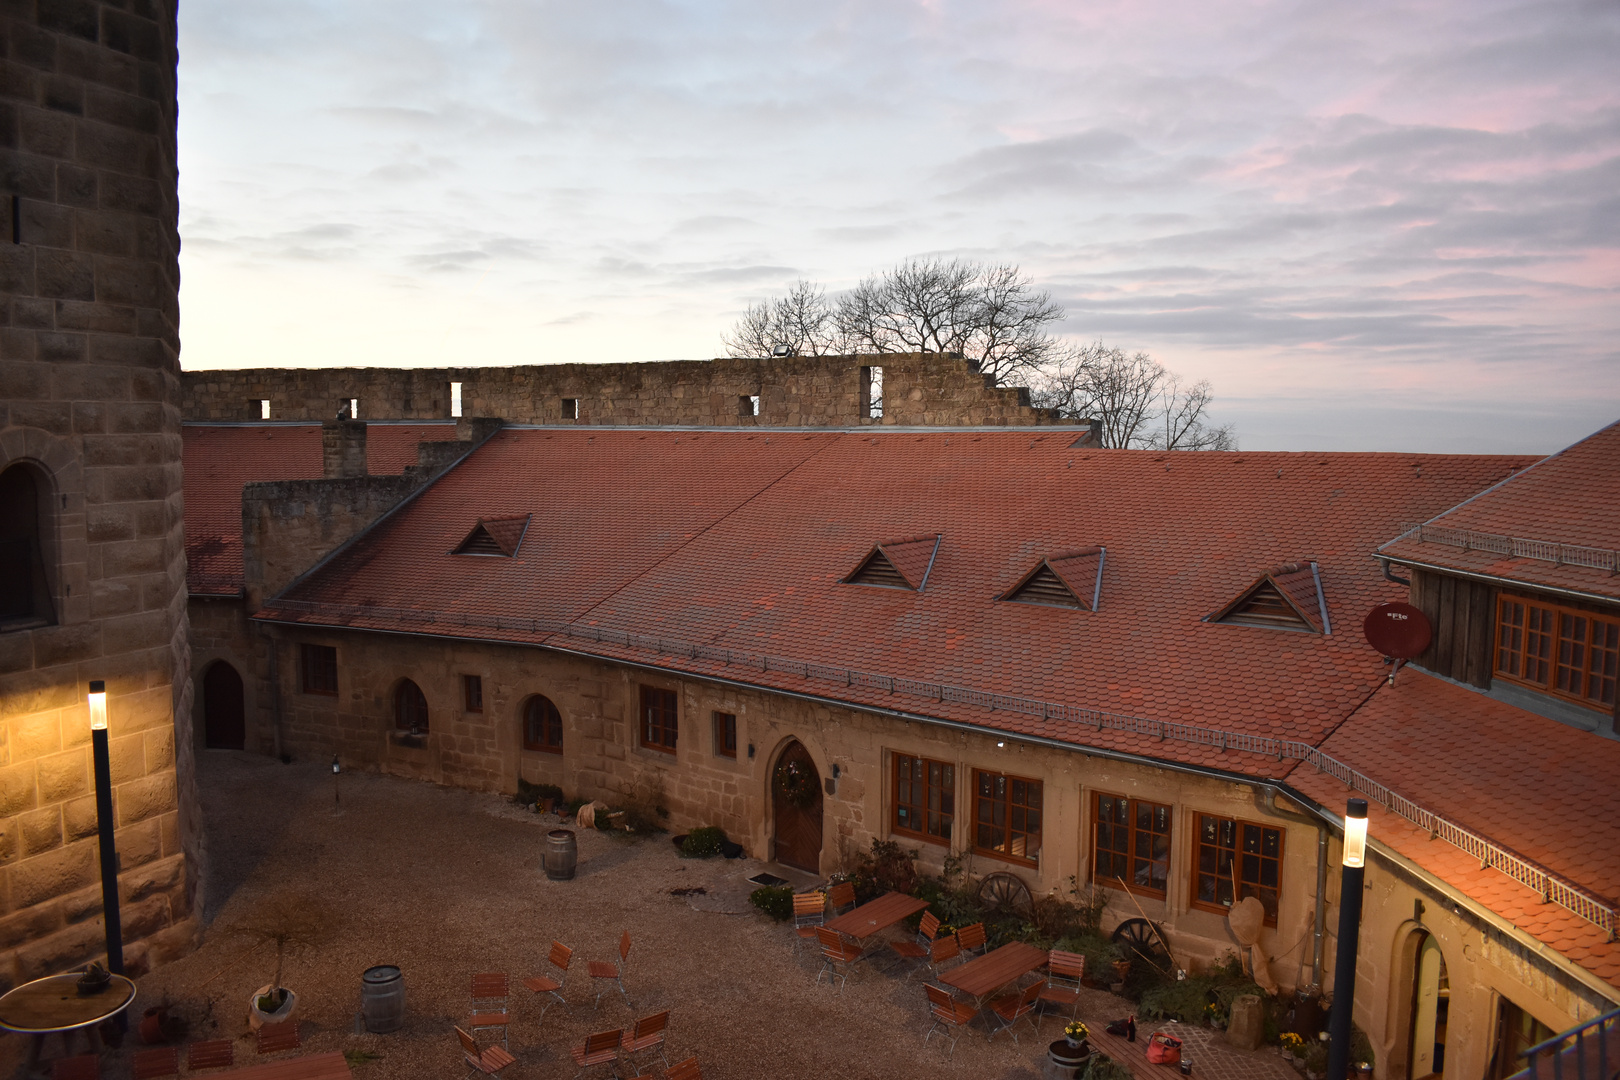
97, 698
1000, 744
750, 751
835, 770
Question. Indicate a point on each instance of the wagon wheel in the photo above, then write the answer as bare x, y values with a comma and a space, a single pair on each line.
1002, 891
1139, 939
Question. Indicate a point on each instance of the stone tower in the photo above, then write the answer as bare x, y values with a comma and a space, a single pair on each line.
92, 564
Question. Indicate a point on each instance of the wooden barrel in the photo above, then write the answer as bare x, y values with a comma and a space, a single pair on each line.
562, 855
382, 998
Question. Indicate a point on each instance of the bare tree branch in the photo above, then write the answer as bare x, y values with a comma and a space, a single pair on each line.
1137, 402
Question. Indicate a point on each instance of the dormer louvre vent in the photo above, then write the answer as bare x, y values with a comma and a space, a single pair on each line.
898, 564
878, 570
494, 536
1070, 579
1287, 598
1045, 587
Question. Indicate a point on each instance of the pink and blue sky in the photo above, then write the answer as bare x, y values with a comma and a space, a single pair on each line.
1372, 226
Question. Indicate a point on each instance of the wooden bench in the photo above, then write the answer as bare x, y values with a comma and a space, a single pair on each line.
213, 1054
155, 1063
274, 1038
328, 1066
1132, 1055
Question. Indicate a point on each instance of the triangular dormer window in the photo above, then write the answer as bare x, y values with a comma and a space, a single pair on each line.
1287, 598
1071, 579
897, 564
495, 536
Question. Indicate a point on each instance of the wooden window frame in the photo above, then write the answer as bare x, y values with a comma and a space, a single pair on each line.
1549, 623
1130, 853
551, 738
1238, 881
924, 809
725, 735
472, 693
979, 802
658, 720
307, 671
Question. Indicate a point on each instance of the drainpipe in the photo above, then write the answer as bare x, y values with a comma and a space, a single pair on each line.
1266, 800
275, 689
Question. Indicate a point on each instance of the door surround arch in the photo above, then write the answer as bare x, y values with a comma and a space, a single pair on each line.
797, 833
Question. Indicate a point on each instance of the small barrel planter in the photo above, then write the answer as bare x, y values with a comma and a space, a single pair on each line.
382, 998
561, 855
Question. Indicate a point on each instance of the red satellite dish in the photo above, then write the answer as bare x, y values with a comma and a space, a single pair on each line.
1398, 630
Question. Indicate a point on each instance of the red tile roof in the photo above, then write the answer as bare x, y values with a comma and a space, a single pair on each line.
220, 458
1571, 497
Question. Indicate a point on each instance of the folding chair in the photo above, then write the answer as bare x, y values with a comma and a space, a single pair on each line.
842, 897
273, 1038
835, 950
607, 970
599, 1049
488, 1061
1064, 970
545, 984
950, 1016
1015, 1007
213, 1054
489, 994
156, 1063
927, 930
684, 1070
944, 951
648, 1034
972, 938
809, 912
83, 1067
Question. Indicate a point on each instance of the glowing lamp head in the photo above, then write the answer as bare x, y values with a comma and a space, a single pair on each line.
335, 767
98, 705
1355, 833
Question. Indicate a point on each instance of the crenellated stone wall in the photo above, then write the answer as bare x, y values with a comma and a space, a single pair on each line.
90, 412
918, 389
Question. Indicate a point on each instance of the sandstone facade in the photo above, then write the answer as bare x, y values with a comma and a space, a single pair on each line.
90, 410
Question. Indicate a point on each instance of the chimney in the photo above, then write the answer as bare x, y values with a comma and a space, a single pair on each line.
343, 449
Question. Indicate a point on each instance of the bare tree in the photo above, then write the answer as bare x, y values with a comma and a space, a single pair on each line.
802, 323
1137, 401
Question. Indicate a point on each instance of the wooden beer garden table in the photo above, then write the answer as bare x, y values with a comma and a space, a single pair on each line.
329, 1066
875, 915
980, 978
54, 1004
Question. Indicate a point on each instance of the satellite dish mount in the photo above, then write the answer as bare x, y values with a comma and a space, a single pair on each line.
1399, 631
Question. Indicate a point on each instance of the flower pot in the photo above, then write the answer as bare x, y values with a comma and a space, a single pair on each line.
153, 1021
1122, 970
257, 1017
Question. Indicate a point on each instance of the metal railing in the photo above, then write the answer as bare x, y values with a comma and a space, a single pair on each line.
1549, 886
1595, 1060
1542, 550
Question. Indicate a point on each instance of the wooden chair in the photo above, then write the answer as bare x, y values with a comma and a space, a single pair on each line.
841, 897
950, 1016
153, 1064
1064, 972
809, 912
972, 938
648, 1034
546, 984
83, 1067
214, 1054
944, 951
599, 1049
835, 950
606, 970
927, 931
488, 1061
274, 1038
489, 994
684, 1070
1012, 1008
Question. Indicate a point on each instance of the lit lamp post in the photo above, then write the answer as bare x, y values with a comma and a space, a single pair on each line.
337, 798
104, 827
1344, 967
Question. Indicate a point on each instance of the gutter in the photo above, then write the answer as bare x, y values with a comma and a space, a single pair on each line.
1492, 579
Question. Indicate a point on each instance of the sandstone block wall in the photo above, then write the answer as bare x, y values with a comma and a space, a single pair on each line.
90, 403
800, 391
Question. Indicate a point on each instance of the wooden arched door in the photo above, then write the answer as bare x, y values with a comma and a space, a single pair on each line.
796, 806
224, 718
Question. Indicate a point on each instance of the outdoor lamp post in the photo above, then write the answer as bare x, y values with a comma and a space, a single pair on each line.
337, 799
1344, 967
104, 827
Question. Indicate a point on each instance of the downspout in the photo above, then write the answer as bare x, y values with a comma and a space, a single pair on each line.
1391, 577
275, 690
1266, 800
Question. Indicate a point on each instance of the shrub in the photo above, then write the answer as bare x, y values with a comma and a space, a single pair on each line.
705, 843
777, 901
1102, 1067
528, 794
887, 868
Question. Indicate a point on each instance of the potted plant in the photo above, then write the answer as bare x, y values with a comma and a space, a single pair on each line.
1077, 1033
1316, 1054
290, 922
1291, 1046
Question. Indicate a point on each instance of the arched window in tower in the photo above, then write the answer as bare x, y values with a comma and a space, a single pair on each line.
25, 590
410, 708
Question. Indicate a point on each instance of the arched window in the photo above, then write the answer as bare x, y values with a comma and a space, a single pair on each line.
542, 725
25, 591
410, 708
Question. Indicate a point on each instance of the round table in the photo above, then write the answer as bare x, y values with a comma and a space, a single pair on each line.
54, 1004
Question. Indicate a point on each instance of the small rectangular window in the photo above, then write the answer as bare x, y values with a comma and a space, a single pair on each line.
472, 692
354, 408
570, 408
924, 798
264, 408
1133, 844
317, 665
725, 734
1236, 859
659, 722
455, 399
1007, 817
872, 393
748, 405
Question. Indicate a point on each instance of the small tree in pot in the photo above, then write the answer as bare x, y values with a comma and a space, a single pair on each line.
289, 921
